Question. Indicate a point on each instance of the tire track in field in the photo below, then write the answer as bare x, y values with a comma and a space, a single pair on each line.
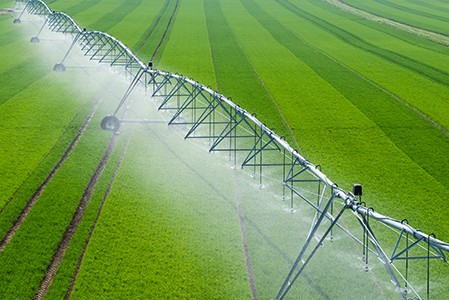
39, 165
248, 262
76, 220
237, 206
105, 197
375, 103
144, 39
432, 73
35, 197
165, 31
243, 221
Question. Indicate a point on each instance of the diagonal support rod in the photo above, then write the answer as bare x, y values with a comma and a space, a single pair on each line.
287, 283
290, 280
35, 38
23, 11
130, 89
75, 40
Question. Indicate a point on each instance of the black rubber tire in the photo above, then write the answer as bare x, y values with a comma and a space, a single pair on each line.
35, 39
111, 123
17, 21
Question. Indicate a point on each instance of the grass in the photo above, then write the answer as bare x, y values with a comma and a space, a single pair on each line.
238, 80
431, 16
166, 248
196, 60
359, 98
66, 271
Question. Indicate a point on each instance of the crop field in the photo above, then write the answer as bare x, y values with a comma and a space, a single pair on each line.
432, 15
146, 214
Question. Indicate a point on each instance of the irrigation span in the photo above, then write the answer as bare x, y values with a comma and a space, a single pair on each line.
338, 221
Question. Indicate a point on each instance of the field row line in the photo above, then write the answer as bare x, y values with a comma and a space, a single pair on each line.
71, 229
243, 230
35, 197
412, 11
97, 217
165, 31
237, 205
420, 113
270, 96
427, 34
150, 30
76, 220
119, 13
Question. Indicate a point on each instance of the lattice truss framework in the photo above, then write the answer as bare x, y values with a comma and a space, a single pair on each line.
205, 114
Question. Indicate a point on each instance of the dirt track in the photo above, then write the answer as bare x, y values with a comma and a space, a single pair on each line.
76, 219
105, 197
36, 195
427, 34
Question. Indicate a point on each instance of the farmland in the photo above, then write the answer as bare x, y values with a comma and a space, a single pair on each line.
145, 214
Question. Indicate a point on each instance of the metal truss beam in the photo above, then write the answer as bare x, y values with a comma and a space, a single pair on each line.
60, 22
38, 8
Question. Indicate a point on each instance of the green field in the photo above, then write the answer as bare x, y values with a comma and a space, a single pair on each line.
430, 15
164, 219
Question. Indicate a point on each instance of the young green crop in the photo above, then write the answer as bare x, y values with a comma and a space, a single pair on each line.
236, 76
374, 102
137, 27
157, 236
196, 60
431, 16
349, 91
25, 259
73, 7
39, 120
73, 256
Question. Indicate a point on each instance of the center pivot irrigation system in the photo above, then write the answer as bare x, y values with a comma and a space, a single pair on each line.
205, 114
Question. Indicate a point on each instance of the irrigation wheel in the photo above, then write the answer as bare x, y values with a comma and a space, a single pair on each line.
59, 67
111, 123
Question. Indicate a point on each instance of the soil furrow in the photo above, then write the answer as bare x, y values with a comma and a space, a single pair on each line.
166, 30
105, 197
35, 197
394, 6
249, 265
61, 137
76, 219
152, 27
237, 206
427, 34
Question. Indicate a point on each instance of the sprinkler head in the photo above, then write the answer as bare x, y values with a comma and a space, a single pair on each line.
357, 189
